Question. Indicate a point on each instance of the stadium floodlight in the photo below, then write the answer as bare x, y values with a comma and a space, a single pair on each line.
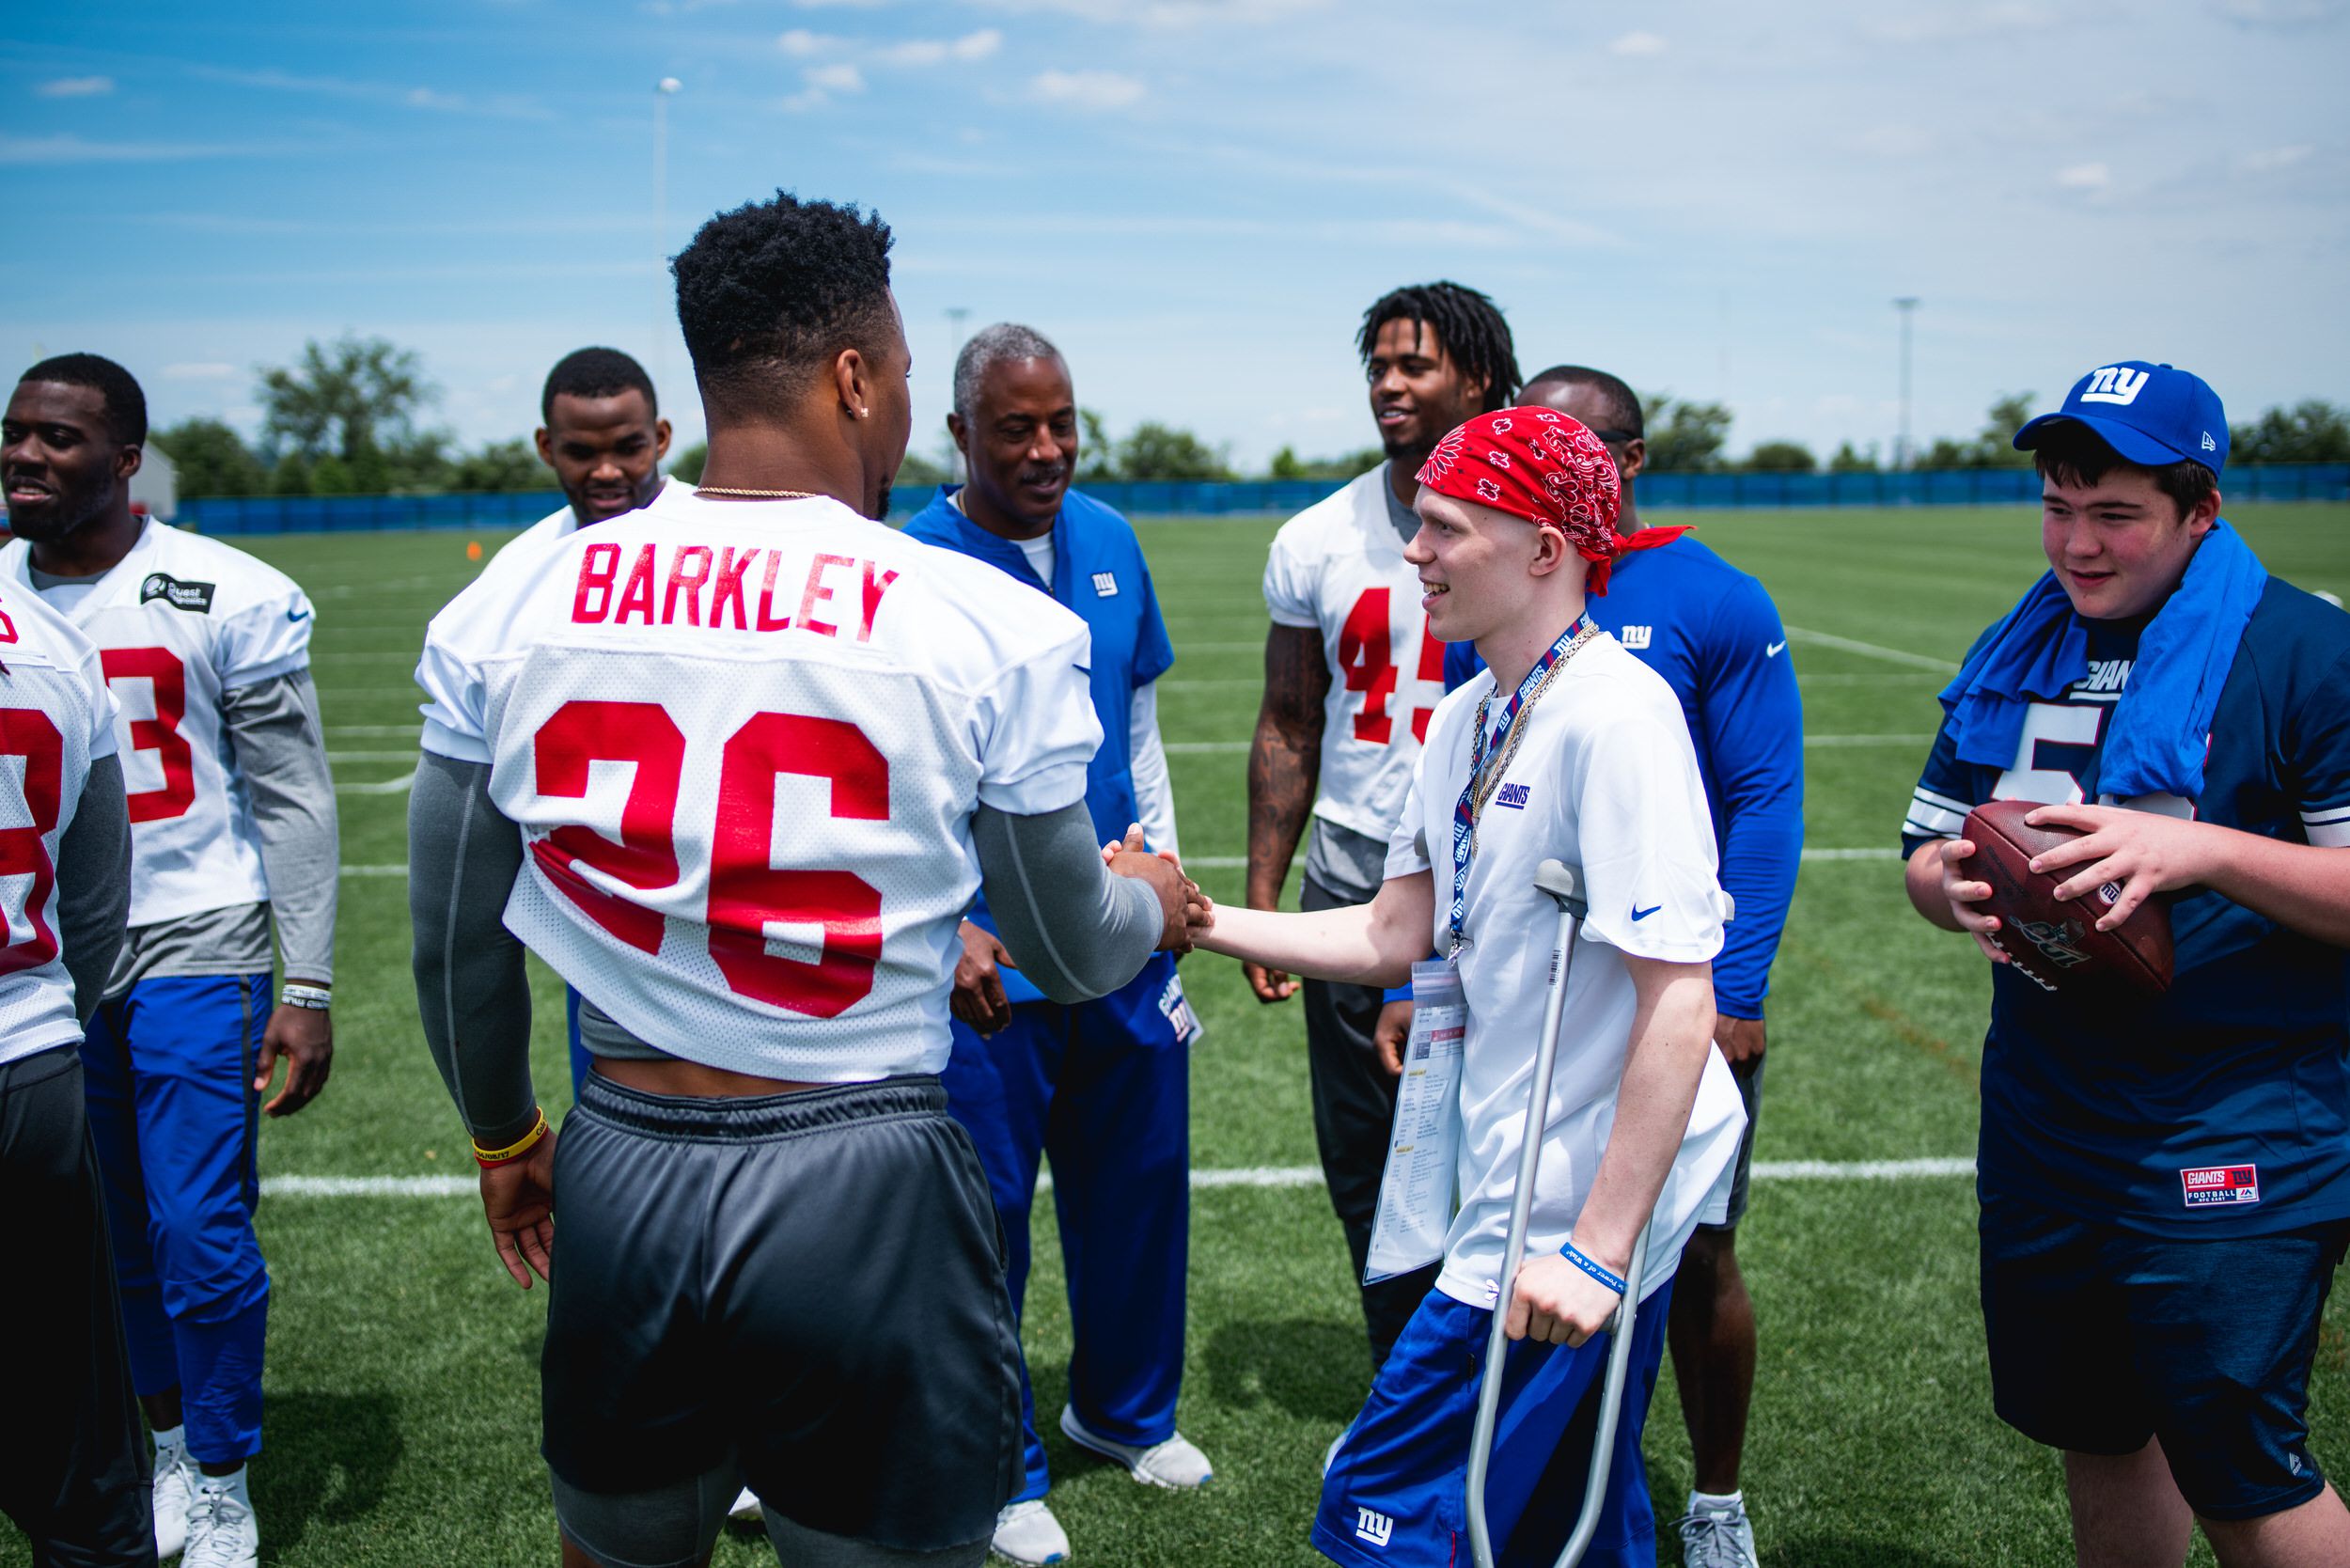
661, 92
1907, 305
956, 314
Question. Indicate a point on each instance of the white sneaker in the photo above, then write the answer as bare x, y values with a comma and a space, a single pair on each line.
1717, 1538
221, 1529
746, 1509
1176, 1462
1026, 1533
175, 1488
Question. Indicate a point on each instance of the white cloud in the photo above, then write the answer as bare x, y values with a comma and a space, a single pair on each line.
1638, 43
29, 150
838, 77
77, 87
2084, 176
928, 51
208, 369
800, 43
2268, 160
1096, 90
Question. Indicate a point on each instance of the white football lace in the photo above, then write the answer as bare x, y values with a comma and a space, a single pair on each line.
1711, 1541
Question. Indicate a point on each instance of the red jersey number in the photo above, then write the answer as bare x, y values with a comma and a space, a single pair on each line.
1369, 667
168, 679
30, 734
747, 893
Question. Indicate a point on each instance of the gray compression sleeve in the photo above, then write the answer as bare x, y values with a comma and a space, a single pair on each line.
1077, 931
281, 752
463, 855
94, 882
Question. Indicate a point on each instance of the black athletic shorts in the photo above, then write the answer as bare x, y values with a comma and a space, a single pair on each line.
809, 1286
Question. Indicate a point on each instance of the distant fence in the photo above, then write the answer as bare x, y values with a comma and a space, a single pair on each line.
1955, 487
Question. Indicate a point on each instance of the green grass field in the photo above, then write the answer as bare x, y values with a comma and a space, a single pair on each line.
402, 1381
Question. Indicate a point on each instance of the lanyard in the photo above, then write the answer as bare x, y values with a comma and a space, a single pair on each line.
1503, 739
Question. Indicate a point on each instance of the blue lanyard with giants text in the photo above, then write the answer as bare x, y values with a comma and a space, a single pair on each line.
1487, 743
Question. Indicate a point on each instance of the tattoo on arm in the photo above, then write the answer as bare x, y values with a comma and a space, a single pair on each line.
1285, 758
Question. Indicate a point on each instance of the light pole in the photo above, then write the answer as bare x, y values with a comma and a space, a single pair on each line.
1907, 305
955, 314
662, 91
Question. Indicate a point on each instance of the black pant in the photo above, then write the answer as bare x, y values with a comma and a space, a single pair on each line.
1354, 1118
74, 1457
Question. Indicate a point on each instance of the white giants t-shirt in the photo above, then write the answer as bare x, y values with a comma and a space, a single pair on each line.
1338, 566
1606, 781
743, 742
180, 620
56, 717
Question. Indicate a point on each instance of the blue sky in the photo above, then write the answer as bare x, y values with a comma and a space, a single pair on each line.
1197, 198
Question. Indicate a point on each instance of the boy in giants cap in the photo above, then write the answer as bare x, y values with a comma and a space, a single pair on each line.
2165, 1182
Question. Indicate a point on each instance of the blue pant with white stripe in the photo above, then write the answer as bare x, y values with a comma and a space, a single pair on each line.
167, 1073
1104, 1088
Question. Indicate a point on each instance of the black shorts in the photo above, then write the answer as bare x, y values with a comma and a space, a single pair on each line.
1748, 1076
809, 1286
2102, 1338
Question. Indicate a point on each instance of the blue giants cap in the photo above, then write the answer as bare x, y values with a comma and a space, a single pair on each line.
2152, 415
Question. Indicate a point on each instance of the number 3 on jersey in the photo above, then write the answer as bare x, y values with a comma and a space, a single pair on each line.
168, 680
1365, 660
747, 893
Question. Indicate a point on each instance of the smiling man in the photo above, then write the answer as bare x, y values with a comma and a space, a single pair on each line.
1351, 676
1103, 1086
232, 833
2165, 1180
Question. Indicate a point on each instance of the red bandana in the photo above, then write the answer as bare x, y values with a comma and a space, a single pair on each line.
1538, 464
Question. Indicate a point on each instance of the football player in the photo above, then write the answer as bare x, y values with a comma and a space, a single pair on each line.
734, 766
233, 830
73, 1471
1350, 678
2165, 1180
1103, 1086
1713, 632
1568, 748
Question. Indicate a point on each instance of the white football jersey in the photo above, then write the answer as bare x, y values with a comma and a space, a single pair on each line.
1606, 781
1338, 566
182, 620
743, 742
55, 718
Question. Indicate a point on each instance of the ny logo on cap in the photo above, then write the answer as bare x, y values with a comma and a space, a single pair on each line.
2115, 384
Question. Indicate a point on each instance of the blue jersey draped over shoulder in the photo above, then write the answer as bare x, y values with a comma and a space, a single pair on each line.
1713, 632
2117, 1107
1099, 572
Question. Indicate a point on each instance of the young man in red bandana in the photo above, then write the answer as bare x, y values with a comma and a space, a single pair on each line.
1568, 747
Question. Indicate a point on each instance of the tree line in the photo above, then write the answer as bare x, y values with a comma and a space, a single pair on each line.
345, 419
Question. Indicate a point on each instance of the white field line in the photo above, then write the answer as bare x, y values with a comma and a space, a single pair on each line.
1193, 748
375, 870
1871, 649
389, 787
1833, 741
409, 756
378, 731
1253, 683
1252, 1176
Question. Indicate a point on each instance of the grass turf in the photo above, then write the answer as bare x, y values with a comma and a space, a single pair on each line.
403, 1377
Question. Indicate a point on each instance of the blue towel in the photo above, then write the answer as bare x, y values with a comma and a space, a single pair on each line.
2162, 726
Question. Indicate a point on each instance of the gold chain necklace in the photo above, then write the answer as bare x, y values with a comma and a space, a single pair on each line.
757, 494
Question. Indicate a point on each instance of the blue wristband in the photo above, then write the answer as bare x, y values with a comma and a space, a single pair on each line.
1575, 1256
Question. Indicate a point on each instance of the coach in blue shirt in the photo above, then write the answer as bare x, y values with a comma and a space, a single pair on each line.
1713, 632
2165, 1180
1103, 1086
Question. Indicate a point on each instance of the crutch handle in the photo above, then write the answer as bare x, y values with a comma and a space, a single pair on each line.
1557, 879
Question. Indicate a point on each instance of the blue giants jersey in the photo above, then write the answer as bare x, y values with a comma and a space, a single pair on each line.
1098, 571
2225, 1102
1712, 631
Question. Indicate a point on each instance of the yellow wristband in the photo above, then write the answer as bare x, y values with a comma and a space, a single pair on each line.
515, 1151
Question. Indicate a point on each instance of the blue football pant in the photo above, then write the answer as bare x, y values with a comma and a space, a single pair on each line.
1114, 1113
168, 1077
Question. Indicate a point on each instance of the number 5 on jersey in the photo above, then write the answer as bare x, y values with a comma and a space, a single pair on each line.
748, 895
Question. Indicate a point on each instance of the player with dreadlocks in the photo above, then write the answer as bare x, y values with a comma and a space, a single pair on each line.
1351, 677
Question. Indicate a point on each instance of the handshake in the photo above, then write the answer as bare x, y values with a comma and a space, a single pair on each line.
1187, 913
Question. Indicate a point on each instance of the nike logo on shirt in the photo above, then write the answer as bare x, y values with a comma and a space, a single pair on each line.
1639, 914
1775, 650
297, 614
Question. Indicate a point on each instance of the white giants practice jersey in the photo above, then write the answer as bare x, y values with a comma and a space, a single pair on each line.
1606, 780
182, 620
55, 718
1338, 566
744, 743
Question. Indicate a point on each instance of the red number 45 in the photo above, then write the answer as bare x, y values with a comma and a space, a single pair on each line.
1365, 661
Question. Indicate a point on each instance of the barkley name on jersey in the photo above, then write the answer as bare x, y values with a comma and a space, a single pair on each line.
742, 742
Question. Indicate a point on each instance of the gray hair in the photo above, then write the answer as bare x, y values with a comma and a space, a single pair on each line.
989, 347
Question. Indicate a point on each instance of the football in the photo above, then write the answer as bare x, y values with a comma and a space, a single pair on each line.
2056, 943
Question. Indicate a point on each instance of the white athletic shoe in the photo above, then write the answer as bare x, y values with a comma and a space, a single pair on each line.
746, 1509
1176, 1462
1717, 1538
221, 1529
1026, 1533
175, 1488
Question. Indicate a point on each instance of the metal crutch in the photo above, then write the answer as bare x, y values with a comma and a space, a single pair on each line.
1554, 878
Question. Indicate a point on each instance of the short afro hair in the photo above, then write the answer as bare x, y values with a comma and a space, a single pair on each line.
991, 346
595, 373
125, 404
1469, 325
770, 291
1624, 416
